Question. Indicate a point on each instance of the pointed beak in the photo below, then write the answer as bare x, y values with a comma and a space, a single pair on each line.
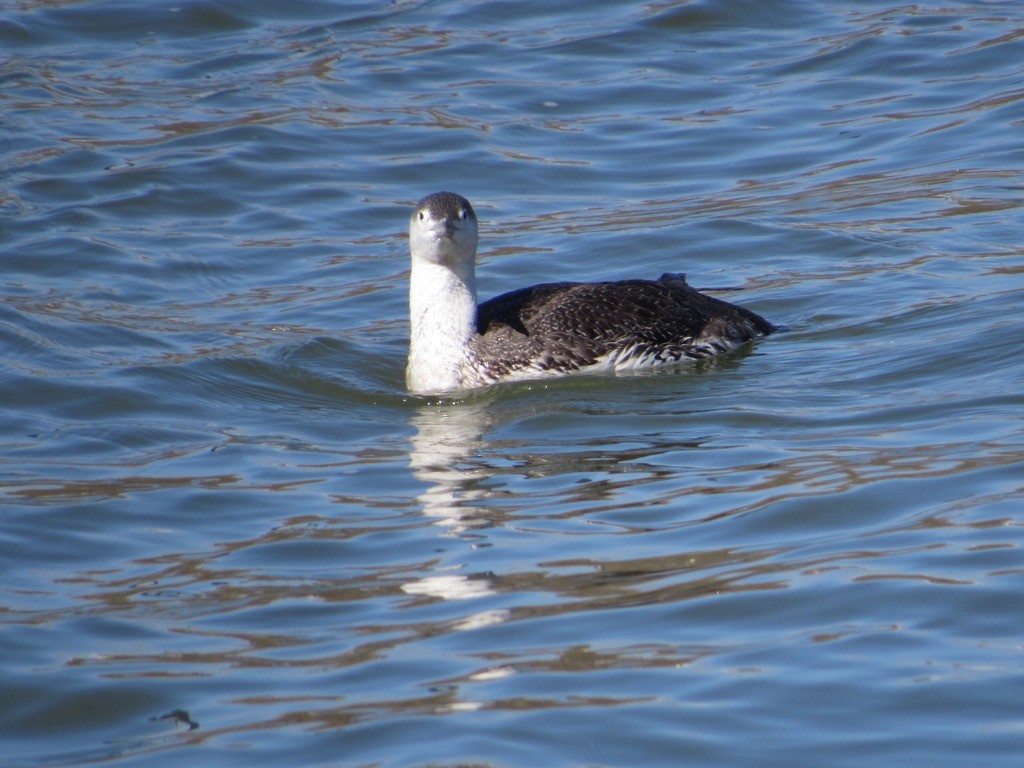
449, 227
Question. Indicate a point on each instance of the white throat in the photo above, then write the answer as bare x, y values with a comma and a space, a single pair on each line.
442, 297
442, 318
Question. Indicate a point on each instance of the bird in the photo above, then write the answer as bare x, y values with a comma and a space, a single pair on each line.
551, 329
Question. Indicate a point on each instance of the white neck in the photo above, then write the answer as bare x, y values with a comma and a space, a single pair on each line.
442, 318
443, 236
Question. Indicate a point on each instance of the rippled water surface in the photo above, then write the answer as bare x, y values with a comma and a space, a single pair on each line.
228, 535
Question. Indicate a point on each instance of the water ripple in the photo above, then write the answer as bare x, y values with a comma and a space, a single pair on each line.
227, 528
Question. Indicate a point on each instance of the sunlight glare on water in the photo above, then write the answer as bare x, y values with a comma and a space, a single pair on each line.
229, 536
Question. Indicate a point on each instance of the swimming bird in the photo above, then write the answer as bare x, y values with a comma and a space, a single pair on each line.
548, 329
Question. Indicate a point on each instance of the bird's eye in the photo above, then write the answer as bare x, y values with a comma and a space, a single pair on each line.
422, 215
463, 214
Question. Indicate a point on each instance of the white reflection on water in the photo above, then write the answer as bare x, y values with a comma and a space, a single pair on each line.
445, 438
449, 587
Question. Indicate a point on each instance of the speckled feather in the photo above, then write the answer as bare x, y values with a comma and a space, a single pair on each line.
561, 327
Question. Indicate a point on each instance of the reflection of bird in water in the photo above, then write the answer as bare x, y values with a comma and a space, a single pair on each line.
442, 455
443, 446
548, 329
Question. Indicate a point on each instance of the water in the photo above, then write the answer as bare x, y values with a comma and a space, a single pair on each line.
229, 537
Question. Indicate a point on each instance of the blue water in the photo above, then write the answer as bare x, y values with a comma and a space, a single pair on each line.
228, 536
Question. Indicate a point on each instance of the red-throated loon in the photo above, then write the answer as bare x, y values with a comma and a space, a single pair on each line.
550, 329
